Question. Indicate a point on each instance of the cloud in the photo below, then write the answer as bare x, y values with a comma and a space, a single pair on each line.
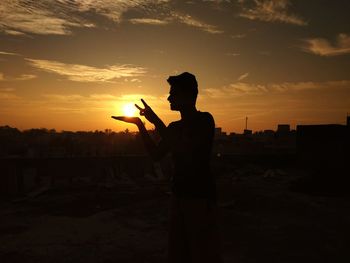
323, 47
176, 17
218, 1
14, 32
25, 77
83, 73
238, 36
7, 89
148, 21
244, 76
159, 12
18, 17
235, 90
8, 53
190, 21
233, 54
271, 11
20, 77
7, 94
242, 89
64, 98
115, 9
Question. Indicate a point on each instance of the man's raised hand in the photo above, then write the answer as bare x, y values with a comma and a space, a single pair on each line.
147, 112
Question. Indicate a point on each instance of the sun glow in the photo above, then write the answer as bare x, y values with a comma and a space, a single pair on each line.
129, 110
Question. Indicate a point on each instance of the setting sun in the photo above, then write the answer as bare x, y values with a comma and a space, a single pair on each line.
129, 110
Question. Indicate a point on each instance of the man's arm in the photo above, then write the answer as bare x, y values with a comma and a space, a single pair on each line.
154, 151
152, 117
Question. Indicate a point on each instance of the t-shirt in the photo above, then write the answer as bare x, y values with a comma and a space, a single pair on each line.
190, 143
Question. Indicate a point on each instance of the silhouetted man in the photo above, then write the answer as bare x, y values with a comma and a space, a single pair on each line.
193, 236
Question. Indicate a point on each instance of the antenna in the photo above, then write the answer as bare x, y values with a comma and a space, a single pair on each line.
246, 123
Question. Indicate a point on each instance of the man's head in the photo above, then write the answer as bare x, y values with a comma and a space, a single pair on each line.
183, 91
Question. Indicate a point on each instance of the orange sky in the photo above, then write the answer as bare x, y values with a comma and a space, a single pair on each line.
70, 65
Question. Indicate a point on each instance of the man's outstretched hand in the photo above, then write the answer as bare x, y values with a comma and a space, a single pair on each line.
134, 120
147, 112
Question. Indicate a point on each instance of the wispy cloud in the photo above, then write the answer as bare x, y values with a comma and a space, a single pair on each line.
7, 89
233, 54
8, 53
243, 76
176, 17
241, 88
190, 21
159, 12
17, 78
238, 36
18, 17
7, 94
83, 73
218, 1
115, 9
271, 11
25, 77
13, 32
323, 47
148, 21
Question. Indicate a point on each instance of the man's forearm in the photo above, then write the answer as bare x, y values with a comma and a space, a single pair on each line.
147, 140
160, 126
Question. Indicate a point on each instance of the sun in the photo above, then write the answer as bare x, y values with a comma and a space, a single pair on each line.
129, 110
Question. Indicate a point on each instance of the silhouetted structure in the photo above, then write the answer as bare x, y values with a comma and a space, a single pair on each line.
283, 129
322, 145
323, 150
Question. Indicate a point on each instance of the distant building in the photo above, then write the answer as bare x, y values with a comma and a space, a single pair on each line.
248, 132
218, 130
283, 128
323, 146
219, 134
269, 132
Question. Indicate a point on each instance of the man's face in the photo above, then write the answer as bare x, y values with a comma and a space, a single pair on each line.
176, 99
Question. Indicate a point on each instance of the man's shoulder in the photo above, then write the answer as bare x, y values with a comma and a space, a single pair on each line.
174, 124
202, 118
206, 117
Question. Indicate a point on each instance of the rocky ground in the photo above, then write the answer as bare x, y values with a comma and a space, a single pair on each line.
261, 220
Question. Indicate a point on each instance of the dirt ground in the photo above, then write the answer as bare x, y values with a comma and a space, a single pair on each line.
261, 220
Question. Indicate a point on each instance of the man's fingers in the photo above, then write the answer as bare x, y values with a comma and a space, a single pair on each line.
137, 106
142, 111
144, 103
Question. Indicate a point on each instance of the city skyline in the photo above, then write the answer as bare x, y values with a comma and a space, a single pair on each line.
70, 65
